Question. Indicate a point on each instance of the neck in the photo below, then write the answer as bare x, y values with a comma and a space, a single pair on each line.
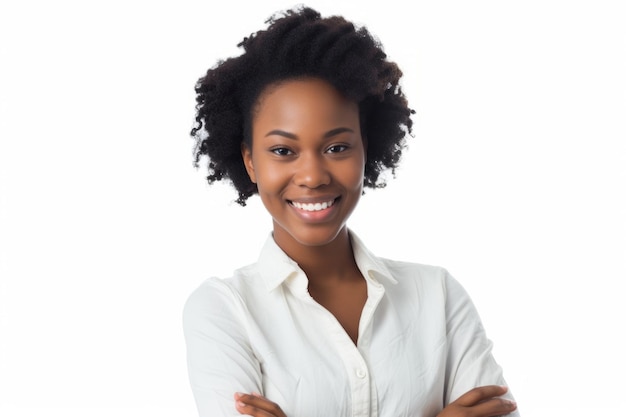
324, 263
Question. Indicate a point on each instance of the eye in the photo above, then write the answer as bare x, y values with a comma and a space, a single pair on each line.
337, 148
281, 151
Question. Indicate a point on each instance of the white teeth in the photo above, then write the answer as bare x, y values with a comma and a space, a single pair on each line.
313, 207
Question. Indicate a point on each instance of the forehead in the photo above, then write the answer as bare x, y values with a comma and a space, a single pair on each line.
301, 100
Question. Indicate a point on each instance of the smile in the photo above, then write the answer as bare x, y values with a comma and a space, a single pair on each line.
312, 206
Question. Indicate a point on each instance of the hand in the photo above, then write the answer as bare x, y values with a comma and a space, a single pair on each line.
256, 405
480, 402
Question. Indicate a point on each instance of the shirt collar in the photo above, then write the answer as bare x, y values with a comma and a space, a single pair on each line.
276, 267
370, 265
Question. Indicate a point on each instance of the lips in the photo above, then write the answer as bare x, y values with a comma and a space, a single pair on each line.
313, 206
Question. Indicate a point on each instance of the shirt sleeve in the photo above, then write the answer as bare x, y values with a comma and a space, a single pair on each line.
470, 363
220, 358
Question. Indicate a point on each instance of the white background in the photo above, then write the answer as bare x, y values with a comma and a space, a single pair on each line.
515, 182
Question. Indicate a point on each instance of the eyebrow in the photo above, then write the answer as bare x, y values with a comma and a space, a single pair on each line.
328, 134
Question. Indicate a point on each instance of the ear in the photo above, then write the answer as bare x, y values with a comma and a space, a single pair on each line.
246, 154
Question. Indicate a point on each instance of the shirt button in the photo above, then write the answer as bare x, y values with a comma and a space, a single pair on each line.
361, 373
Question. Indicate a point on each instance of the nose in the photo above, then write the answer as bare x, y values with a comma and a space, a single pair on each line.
311, 171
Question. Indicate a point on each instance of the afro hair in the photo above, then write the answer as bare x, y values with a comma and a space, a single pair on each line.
300, 43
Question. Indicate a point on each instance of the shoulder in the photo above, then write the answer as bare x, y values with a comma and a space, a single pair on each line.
396, 271
430, 283
412, 273
414, 270
218, 295
209, 291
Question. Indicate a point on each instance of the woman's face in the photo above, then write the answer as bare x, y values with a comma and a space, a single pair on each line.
307, 160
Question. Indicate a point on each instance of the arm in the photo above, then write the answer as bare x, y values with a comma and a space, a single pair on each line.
480, 402
469, 362
220, 358
256, 405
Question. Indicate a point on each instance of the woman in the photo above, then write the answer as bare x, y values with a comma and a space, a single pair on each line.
307, 116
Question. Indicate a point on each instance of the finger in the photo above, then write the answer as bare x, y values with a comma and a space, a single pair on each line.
476, 395
494, 407
257, 405
251, 411
242, 404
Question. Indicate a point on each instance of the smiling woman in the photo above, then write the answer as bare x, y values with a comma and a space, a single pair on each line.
308, 169
306, 117
307, 159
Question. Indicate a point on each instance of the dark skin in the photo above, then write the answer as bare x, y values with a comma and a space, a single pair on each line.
344, 298
307, 148
307, 159
335, 281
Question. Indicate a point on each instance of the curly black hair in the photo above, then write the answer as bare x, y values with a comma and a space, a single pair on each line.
300, 43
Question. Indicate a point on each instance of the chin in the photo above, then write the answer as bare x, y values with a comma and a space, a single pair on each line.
314, 236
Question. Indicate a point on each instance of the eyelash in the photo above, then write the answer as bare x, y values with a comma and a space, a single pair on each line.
343, 148
282, 151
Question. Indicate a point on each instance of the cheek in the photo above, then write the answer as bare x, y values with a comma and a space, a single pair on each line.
270, 178
354, 173
356, 180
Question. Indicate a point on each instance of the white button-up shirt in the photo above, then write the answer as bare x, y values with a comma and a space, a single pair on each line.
420, 345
